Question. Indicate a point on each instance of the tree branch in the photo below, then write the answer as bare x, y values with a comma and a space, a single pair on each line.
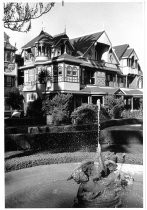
17, 15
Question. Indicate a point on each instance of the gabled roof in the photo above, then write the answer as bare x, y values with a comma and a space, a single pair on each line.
58, 37
128, 53
6, 37
82, 43
7, 45
127, 91
120, 50
36, 39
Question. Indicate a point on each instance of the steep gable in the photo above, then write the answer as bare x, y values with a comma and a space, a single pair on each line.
82, 43
37, 38
130, 52
120, 50
8, 46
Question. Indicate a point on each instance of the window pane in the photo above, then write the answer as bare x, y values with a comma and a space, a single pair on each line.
69, 70
75, 71
60, 70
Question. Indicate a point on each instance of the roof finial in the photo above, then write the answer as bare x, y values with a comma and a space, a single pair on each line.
43, 28
65, 29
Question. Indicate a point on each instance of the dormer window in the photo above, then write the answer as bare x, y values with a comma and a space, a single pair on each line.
42, 50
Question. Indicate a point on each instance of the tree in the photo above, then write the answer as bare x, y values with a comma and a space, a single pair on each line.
114, 106
60, 107
15, 99
18, 16
60, 101
43, 77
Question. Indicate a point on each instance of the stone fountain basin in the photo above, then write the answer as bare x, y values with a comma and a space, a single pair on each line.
46, 187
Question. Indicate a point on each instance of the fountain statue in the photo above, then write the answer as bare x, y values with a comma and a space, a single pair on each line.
101, 184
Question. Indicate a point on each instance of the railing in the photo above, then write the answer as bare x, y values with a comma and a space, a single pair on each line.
128, 70
29, 59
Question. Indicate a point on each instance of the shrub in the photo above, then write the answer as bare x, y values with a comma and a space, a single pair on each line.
60, 101
34, 108
60, 117
138, 114
87, 114
15, 99
114, 106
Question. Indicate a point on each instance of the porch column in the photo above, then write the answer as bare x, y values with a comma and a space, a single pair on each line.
126, 81
45, 51
116, 80
41, 49
122, 97
103, 100
89, 99
132, 103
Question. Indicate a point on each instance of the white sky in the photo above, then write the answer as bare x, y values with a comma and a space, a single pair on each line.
122, 21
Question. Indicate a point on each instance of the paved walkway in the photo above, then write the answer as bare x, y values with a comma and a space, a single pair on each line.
46, 186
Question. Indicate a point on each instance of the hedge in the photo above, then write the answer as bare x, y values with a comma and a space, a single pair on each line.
26, 121
70, 141
86, 127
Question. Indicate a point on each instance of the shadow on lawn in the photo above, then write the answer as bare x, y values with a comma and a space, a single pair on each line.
21, 154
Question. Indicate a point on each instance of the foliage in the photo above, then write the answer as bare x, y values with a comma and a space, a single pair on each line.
138, 114
44, 77
84, 114
60, 116
60, 101
34, 108
18, 16
87, 114
114, 106
15, 99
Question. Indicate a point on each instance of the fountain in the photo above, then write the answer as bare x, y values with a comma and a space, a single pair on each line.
101, 184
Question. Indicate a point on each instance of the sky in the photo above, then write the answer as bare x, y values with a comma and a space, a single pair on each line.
122, 21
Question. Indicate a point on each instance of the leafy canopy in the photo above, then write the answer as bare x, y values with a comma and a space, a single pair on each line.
18, 16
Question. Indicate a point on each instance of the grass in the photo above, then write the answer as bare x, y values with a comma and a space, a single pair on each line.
18, 159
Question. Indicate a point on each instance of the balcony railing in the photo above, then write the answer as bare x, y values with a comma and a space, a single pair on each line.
128, 70
29, 59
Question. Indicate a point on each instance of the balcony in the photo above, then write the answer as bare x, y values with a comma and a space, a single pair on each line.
29, 59
41, 58
129, 70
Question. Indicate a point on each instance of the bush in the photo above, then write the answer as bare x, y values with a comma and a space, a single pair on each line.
87, 114
60, 117
34, 108
138, 114
60, 101
60, 107
15, 99
114, 106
